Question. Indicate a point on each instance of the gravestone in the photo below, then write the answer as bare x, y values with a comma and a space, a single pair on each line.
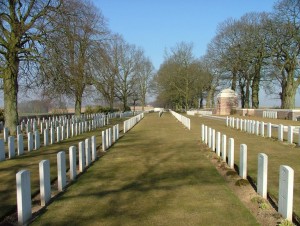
286, 187
11, 147
231, 153
93, 146
262, 175
81, 155
224, 138
23, 196
243, 161
45, 185
72, 159
61, 170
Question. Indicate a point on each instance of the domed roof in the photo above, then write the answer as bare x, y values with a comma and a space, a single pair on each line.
227, 93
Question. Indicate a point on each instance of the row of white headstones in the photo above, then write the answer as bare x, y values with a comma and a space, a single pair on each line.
269, 114
56, 135
218, 144
87, 155
258, 128
184, 120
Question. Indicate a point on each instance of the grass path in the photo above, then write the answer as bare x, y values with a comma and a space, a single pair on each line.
157, 174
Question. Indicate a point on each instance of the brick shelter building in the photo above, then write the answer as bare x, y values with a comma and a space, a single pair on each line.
227, 100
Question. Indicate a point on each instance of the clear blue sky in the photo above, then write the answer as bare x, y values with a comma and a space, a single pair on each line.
158, 24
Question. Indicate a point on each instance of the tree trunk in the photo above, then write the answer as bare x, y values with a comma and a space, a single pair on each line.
143, 103
234, 80
247, 95
255, 88
288, 95
78, 101
124, 103
242, 96
112, 96
213, 98
10, 88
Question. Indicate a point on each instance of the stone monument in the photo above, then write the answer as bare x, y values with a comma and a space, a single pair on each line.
227, 100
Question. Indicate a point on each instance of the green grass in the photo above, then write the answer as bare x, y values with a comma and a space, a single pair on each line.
30, 161
157, 174
279, 153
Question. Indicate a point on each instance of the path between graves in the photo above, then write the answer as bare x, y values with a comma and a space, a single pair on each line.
157, 174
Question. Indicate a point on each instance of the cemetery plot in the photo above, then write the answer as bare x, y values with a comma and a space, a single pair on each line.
30, 161
151, 178
278, 154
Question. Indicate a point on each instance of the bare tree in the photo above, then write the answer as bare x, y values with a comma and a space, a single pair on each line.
106, 67
127, 60
180, 80
79, 29
23, 25
145, 72
284, 48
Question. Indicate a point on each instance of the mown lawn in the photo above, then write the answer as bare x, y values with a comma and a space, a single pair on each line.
157, 174
279, 153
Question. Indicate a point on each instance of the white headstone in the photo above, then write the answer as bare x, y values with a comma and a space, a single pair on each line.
5, 134
94, 151
20, 144
213, 141
243, 161
286, 187
103, 141
262, 129
58, 134
72, 159
269, 130
205, 132
23, 196
30, 141
218, 143
290, 134
280, 132
231, 153
241, 124
257, 128
107, 138
11, 147
45, 184
118, 131
224, 147
36, 140
81, 154
52, 135
209, 137
63, 132
46, 137
87, 152
61, 170
202, 133
110, 137
262, 175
